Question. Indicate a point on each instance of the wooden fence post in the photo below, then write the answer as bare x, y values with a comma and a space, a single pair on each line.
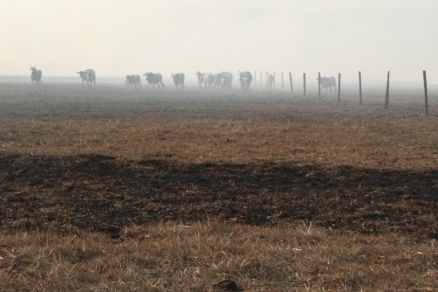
291, 83
426, 97
319, 84
339, 87
304, 84
360, 88
387, 90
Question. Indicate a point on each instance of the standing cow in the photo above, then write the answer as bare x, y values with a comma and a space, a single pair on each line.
227, 80
218, 80
328, 83
246, 80
178, 80
154, 79
88, 77
133, 80
84, 77
36, 75
91, 77
210, 81
201, 79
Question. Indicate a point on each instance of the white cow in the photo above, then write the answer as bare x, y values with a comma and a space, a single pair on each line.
227, 80
36, 75
211, 81
133, 80
88, 77
91, 77
84, 77
218, 80
154, 79
201, 79
328, 83
246, 80
178, 80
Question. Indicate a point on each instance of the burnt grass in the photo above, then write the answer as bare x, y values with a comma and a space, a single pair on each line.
104, 193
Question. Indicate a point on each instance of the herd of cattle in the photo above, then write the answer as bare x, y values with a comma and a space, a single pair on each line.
222, 80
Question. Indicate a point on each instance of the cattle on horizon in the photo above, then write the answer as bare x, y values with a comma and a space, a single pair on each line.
88, 77
36, 75
178, 80
154, 79
133, 80
328, 83
245, 79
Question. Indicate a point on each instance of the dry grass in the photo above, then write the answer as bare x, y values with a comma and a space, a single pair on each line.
385, 142
171, 256
201, 127
368, 177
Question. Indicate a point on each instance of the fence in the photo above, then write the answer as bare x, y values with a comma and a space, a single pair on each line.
338, 86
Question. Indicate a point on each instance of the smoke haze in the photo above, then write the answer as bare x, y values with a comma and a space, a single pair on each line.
120, 37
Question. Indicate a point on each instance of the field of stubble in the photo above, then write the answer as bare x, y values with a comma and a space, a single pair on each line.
125, 190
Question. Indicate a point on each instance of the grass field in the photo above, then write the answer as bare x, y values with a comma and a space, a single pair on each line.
114, 189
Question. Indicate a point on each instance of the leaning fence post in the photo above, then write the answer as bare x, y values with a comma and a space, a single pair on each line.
387, 90
291, 83
360, 88
304, 83
426, 97
339, 87
319, 84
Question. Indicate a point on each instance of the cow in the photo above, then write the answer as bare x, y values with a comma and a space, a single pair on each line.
220, 80
133, 80
328, 83
270, 81
211, 81
201, 79
178, 80
36, 75
245, 80
154, 79
84, 77
91, 77
227, 80
88, 77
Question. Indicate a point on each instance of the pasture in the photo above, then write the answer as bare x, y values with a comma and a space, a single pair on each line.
115, 188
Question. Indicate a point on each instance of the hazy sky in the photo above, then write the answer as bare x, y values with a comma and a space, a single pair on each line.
120, 37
